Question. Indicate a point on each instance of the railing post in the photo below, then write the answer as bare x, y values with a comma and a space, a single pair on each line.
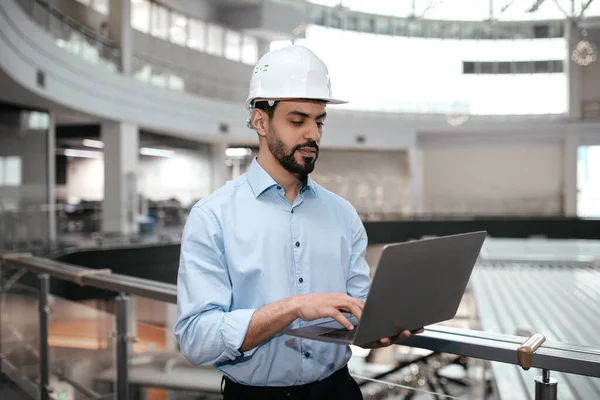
545, 386
122, 341
44, 310
1, 311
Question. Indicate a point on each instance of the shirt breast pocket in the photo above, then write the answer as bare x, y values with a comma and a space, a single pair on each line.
258, 255
329, 251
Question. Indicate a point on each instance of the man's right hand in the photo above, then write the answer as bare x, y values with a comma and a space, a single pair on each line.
328, 305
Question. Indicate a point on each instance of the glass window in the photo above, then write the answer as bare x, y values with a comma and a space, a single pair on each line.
215, 40
335, 21
140, 15
233, 44
504, 67
160, 21
197, 39
318, 16
179, 28
10, 171
249, 50
352, 23
383, 26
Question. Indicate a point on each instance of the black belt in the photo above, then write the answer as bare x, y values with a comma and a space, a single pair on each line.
316, 389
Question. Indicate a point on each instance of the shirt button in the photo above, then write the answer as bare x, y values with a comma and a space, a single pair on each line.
292, 210
278, 187
307, 354
300, 280
297, 244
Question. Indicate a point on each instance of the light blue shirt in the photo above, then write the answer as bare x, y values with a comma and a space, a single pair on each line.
246, 246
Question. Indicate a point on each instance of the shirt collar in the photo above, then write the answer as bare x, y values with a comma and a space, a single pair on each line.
260, 180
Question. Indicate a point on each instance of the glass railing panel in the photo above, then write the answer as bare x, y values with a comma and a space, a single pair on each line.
157, 369
82, 337
72, 36
19, 328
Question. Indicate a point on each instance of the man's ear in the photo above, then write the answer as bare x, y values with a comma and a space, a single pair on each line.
259, 120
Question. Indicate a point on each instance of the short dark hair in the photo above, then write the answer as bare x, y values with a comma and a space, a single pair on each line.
264, 106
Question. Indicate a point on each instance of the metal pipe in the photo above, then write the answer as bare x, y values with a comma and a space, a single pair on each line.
44, 310
574, 359
122, 339
546, 387
1, 312
118, 283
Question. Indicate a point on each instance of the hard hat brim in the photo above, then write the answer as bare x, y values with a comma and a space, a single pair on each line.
327, 101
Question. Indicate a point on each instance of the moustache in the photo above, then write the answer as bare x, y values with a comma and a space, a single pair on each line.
310, 143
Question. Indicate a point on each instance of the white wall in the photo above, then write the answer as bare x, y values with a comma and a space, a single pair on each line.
85, 180
497, 179
373, 181
187, 176
591, 82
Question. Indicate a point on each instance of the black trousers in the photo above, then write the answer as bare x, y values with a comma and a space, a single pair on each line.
339, 385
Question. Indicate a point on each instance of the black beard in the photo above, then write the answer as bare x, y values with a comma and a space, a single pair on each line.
286, 158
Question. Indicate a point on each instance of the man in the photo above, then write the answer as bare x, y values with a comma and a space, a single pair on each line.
273, 249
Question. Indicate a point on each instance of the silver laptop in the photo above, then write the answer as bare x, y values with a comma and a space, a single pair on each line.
416, 284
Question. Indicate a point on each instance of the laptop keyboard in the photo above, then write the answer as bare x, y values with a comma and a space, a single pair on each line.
342, 333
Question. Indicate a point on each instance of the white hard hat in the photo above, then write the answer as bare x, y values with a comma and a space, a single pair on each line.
293, 72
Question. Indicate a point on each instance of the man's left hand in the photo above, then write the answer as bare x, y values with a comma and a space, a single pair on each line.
384, 342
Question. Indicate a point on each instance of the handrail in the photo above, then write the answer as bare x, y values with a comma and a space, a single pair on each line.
568, 358
107, 280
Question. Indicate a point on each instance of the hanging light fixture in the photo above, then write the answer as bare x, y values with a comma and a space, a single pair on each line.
457, 119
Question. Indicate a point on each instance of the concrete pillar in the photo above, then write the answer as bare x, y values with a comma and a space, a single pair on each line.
571, 147
415, 160
51, 179
121, 153
120, 31
574, 73
219, 166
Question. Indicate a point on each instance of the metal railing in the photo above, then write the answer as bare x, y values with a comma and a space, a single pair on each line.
73, 36
532, 352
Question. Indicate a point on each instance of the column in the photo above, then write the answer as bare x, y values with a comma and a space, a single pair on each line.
415, 161
119, 30
574, 73
51, 179
121, 153
571, 147
220, 173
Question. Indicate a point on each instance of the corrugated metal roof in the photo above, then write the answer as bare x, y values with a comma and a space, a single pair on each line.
558, 296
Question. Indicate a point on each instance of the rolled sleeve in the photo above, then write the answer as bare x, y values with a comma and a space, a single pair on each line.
207, 330
233, 329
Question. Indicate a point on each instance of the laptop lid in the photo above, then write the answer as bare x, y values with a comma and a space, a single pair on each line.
418, 283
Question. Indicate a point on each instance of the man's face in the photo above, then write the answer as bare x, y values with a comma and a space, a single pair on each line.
294, 134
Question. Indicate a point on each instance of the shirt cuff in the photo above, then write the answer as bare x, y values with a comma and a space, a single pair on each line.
233, 330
